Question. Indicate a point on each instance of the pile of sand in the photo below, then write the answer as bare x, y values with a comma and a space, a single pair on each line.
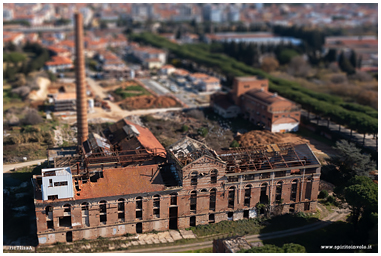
145, 102
255, 138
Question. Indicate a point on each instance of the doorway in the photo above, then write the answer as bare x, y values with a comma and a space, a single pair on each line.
69, 236
173, 218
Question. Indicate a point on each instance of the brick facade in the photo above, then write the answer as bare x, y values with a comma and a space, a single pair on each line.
202, 214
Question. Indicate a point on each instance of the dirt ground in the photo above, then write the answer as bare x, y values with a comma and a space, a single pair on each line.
254, 138
41, 94
144, 102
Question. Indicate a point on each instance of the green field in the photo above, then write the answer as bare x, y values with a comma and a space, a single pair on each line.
131, 91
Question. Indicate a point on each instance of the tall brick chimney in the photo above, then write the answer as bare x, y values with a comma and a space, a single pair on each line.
82, 125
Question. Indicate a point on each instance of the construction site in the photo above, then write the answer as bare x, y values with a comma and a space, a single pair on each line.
124, 181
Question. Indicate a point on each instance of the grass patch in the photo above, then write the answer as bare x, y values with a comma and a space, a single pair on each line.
288, 221
131, 91
32, 151
254, 226
11, 99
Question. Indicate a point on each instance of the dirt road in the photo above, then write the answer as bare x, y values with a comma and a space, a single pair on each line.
9, 167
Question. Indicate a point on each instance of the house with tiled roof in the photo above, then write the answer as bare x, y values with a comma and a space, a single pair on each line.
58, 63
59, 51
210, 84
167, 69
150, 56
13, 37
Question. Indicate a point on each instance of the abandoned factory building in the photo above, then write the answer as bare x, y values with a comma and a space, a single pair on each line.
124, 181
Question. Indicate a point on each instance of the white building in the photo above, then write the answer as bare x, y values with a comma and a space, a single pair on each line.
57, 183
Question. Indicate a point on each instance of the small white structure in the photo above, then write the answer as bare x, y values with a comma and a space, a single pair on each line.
285, 125
57, 183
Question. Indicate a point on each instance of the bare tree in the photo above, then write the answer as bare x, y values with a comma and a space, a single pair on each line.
22, 91
269, 64
32, 117
298, 67
339, 78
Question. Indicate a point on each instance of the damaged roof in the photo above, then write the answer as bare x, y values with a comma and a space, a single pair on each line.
123, 181
143, 136
187, 150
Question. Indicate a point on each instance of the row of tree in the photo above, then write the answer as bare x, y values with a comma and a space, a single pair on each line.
250, 53
320, 103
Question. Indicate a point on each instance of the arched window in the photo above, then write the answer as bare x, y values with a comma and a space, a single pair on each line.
193, 201
308, 188
212, 200
173, 198
231, 197
48, 209
156, 206
263, 199
194, 178
103, 212
85, 214
121, 209
278, 191
139, 207
213, 176
294, 190
247, 195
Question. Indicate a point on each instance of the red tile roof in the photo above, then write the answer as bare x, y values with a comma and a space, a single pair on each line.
58, 60
57, 49
123, 181
265, 96
146, 138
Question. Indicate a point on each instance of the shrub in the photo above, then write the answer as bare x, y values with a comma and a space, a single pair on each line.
32, 117
184, 128
202, 131
323, 194
301, 215
234, 144
330, 199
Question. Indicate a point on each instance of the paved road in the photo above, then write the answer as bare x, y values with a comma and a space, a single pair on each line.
154, 86
335, 216
370, 142
9, 167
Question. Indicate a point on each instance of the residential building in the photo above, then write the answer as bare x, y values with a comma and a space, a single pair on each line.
167, 69
58, 64
13, 37
149, 53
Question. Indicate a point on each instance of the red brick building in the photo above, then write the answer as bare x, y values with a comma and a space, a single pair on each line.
128, 183
273, 112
